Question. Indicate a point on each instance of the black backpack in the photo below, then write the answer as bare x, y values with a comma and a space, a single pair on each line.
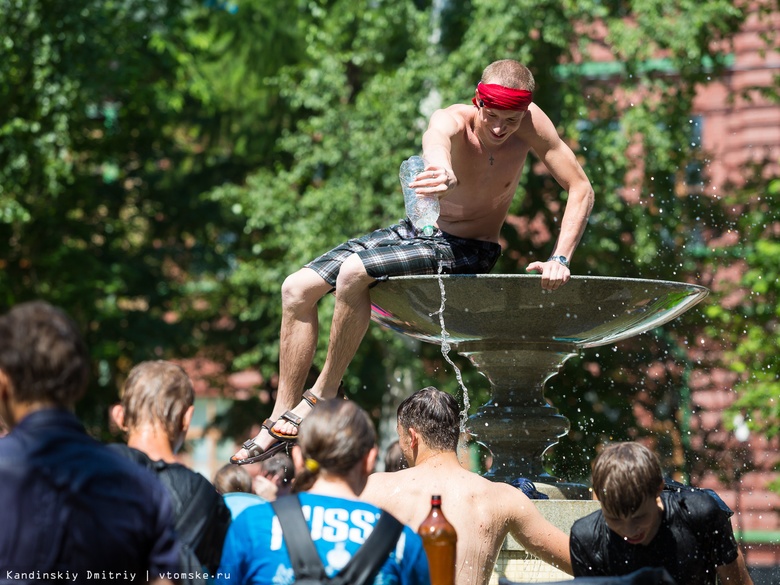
306, 563
201, 517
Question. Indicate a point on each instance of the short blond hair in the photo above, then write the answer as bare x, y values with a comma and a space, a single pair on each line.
509, 73
157, 393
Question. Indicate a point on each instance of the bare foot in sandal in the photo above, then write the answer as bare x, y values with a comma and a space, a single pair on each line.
278, 434
286, 426
261, 447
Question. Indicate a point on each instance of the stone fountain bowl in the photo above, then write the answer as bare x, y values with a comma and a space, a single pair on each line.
588, 311
518, 336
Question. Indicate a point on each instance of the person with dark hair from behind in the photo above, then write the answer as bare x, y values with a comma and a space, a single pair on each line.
335, 454
235, 485
230, 479
394, 458
483, 512
155, 412
641, 524
73, 509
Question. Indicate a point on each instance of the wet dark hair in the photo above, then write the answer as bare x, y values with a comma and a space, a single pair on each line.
337, 434
509, 73
434, 415
43, 354
280, 464
624, 476
158, 393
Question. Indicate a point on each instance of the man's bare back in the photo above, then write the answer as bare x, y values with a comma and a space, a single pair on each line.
482, 512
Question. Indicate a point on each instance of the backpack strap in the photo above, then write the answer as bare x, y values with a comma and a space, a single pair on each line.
305, 560
306, 563
363, 567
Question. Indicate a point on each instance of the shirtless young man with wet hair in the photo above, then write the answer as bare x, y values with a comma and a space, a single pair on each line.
474, 157
483, 512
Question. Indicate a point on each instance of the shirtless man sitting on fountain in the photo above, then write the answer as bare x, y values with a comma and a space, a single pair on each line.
474, 157
482, 511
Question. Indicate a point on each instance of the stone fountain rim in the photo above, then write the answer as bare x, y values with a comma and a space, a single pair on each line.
529, 284
574, 278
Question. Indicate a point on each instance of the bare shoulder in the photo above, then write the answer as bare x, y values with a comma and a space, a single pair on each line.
455, 117
511, 500
383, 486
376, 484
537, 128
402, 493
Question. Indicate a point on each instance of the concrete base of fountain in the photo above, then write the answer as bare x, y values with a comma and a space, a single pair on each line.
518, 565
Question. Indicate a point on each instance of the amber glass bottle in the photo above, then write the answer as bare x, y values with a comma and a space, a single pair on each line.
439, 539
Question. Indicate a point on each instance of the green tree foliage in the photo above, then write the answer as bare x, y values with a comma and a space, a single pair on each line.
747, 317
165, 164
111, 132
355, 96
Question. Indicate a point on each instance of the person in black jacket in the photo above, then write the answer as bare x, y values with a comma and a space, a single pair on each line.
72, 509
155, 412
641, 524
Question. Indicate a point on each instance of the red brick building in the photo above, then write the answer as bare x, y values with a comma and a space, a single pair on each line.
739, 127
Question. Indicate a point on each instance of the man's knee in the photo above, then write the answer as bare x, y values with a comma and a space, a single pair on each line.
353, 273
302, 288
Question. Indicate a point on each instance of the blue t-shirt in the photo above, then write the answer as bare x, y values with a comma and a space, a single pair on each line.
255, 551
237, 502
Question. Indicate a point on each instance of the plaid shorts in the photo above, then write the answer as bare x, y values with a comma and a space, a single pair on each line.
401, 250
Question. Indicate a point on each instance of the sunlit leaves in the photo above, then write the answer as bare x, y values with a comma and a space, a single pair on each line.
752, 327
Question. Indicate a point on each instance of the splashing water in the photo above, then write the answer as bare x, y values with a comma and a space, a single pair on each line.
445, 350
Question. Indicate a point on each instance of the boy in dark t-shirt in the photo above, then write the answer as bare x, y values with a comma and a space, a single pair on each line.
643, 525
156, 410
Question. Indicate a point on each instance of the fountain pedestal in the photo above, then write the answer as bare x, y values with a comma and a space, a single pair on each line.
519, 336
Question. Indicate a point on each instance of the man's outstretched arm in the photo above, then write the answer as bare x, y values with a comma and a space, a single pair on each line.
562, 164
535, 532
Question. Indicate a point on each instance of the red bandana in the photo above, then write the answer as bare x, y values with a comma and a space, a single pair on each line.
498, 97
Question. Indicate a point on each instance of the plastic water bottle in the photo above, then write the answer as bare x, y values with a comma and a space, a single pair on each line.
423, 211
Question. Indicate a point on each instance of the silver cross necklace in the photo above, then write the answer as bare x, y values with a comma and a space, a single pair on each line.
491, 159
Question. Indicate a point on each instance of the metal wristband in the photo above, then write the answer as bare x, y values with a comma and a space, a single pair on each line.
560, 260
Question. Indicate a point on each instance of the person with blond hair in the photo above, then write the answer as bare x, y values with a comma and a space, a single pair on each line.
156, 408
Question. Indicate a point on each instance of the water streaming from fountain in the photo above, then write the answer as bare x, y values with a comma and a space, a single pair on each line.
445, 351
